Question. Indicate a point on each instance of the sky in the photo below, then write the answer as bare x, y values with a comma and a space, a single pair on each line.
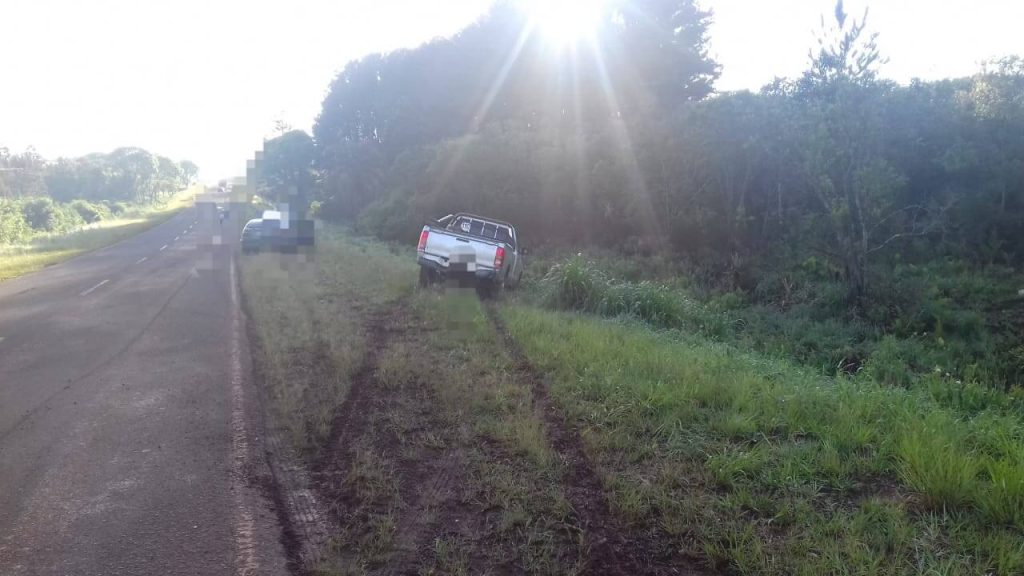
206, 79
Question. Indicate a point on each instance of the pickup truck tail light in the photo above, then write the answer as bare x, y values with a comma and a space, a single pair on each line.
423, 240
499, 257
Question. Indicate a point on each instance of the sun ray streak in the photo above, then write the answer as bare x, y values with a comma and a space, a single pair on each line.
580, 142
499, 81
621, 135
480, 115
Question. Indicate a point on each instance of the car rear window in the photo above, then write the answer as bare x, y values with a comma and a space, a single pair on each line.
504, 235
482, 228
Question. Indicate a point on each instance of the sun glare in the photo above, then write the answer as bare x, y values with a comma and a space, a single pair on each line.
566, 22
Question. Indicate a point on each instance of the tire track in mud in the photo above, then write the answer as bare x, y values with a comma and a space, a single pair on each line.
428, 478
432, 506
287, 485
609, 547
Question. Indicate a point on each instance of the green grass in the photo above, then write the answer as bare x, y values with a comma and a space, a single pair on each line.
943, 319
310, 318
515, 476
775, 468
442, 391
753, 463
47, 250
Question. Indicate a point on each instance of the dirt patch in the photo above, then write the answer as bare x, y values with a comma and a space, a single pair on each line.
609, 547
392, 477
351, 416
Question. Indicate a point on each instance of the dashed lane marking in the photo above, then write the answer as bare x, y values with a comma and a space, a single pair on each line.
89, 291
141, 260
164, 247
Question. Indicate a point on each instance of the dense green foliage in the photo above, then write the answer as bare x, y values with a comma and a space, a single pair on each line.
592, 147
851, 215
37, 196
940, 334
283, 172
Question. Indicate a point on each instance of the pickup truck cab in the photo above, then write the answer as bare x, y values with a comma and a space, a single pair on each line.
470, 248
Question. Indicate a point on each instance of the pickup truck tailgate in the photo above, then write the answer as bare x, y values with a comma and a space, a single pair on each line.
456, 249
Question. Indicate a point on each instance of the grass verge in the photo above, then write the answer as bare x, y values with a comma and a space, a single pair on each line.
47, 250
426, 437
763, 467
419, 436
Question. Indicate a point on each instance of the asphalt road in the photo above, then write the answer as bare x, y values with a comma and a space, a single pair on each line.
129, 431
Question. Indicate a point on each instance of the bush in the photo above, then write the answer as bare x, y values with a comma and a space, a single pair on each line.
389, 218
13, 227
890, 362
90, 212
116, 208
575, 285
40, 214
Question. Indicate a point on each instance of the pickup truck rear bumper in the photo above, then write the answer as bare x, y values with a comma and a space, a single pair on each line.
480, 274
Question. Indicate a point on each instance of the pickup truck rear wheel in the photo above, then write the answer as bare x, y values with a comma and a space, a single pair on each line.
488, 290
427, 277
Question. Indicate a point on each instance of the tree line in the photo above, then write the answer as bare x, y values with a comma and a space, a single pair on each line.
624, 144
37, 195
858, 217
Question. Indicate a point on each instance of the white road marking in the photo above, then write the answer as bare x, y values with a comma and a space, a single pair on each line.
246, 562
164, 247
176, 238
89, 291
141, 260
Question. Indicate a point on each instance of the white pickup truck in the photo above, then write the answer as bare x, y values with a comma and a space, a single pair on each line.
470, 248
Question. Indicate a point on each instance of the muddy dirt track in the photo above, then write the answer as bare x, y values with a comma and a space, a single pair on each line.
402, 483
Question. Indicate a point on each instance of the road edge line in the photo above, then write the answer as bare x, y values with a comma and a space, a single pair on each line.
246, 562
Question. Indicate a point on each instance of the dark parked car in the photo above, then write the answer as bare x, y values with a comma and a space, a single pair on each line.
252, 236
268, 234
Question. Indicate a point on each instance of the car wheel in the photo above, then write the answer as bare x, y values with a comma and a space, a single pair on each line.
426, 277
490, 290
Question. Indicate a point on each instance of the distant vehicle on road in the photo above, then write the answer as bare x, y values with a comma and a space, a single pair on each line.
470, 248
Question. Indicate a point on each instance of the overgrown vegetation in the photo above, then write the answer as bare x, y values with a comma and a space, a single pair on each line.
941, 321
808, 355
405, 408
735, 459
771, 469
126, 175
51, 211
837, 218
311, 324
40, 249
51, 198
